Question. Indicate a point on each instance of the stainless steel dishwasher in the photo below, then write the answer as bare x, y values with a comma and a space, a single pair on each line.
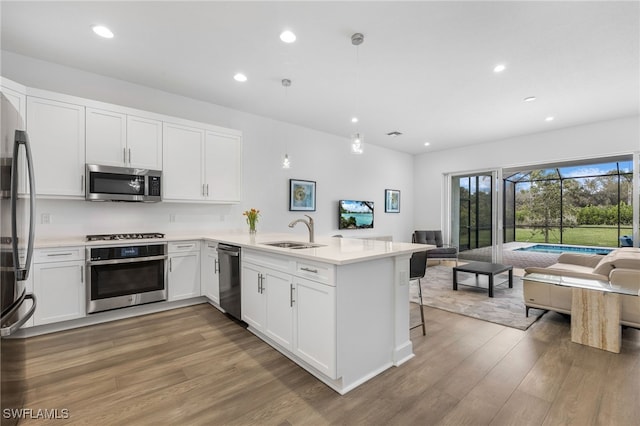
229, 261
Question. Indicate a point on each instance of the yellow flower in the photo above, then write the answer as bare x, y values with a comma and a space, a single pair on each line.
252, 217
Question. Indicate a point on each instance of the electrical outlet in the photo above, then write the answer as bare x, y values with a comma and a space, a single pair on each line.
172, 218
45, 218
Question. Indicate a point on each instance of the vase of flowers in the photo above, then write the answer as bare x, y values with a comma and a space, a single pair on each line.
252, 218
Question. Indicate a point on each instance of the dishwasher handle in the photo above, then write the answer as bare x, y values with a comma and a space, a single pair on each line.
228, 250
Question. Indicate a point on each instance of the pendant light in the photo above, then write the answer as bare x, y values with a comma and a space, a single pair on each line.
357, 140
286, 162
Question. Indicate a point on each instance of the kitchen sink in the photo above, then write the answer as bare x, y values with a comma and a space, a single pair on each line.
293, 244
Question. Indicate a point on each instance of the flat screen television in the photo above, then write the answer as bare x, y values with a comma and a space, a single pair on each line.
355, 214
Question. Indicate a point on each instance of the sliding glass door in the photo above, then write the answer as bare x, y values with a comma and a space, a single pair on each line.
473, 215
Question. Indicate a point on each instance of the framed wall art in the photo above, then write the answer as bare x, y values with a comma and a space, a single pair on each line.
302, 195
391, 201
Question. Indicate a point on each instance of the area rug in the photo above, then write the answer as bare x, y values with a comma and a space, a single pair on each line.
506, 307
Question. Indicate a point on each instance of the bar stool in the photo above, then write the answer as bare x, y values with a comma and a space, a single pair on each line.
417, 269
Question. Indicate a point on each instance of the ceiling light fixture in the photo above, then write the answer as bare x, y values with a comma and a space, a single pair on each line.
240, 77
287, 36
427, 143
102, 31
550, 118
354, 119
357, 142
394, 134
529, 99
499, 68
286, 163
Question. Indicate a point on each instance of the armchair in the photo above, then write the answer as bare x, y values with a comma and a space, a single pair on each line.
442, 251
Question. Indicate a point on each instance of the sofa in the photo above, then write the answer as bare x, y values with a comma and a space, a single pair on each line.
442, 251
620, 268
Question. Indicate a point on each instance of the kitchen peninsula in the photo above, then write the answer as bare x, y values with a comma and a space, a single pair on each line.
339, 309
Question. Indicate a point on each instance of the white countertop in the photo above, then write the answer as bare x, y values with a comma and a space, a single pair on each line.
337, 251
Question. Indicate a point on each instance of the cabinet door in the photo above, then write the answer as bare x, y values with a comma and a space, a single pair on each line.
60, 291
278, 290
252, 296
184, 275
315, 325
223, 167
13, 109
56, 131
209, 278
182, 163
106, 138
144, 143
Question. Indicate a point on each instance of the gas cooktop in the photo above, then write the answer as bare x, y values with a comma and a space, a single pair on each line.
114, 237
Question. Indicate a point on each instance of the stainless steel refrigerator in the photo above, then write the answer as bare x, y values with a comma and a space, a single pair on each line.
16, 249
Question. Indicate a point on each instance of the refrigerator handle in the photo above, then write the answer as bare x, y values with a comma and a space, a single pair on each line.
8, 331
21, 138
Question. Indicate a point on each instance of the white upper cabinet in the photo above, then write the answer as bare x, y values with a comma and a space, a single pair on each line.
201, 165
56, 132
117, 139
223, 167
182, 168
144, 143
106, 137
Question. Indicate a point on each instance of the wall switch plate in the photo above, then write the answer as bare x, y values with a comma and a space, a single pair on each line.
172, 218
45, 218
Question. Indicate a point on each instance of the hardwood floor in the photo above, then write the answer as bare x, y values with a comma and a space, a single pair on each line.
195, 366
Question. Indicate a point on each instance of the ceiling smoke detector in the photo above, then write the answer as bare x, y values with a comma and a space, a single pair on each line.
394, 134
357, 39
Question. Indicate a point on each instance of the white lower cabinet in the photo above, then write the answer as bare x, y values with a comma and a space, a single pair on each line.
184, 270
315, 319
210, 273
59, 285
297, 314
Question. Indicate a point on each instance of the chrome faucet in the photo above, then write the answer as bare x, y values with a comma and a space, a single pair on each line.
309, 224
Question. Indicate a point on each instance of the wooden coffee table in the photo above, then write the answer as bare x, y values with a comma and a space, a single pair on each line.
483, 268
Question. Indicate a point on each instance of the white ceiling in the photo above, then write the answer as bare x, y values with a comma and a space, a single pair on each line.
425, 68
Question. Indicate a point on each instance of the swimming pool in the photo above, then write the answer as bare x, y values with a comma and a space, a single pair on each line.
551, 248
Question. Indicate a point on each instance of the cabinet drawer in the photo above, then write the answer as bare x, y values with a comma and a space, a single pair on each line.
316, 271
183, 246
58, 254
209, 245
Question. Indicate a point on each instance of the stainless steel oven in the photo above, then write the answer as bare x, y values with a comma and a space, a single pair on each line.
125, 275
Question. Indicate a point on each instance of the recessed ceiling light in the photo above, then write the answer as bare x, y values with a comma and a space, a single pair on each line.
550, 118
499, 68
288, 36
240, 77
427, 143
102, 31
354, 119
529, 99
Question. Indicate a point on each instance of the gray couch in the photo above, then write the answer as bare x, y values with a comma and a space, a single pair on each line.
619, 268
442, 251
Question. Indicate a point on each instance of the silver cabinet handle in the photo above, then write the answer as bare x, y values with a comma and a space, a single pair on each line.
207, 190
170, 264
315, 271
59, 254
291, 296
185, 246
215, 266
82, 183
82, 274
124, 155
129, 155
259, 279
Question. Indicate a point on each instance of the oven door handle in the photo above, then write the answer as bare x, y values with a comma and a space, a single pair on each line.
128, 260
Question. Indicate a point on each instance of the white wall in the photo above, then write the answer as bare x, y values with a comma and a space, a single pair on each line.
607, 138
315, 155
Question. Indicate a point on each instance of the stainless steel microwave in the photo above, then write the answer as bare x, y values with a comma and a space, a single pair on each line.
108, 183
